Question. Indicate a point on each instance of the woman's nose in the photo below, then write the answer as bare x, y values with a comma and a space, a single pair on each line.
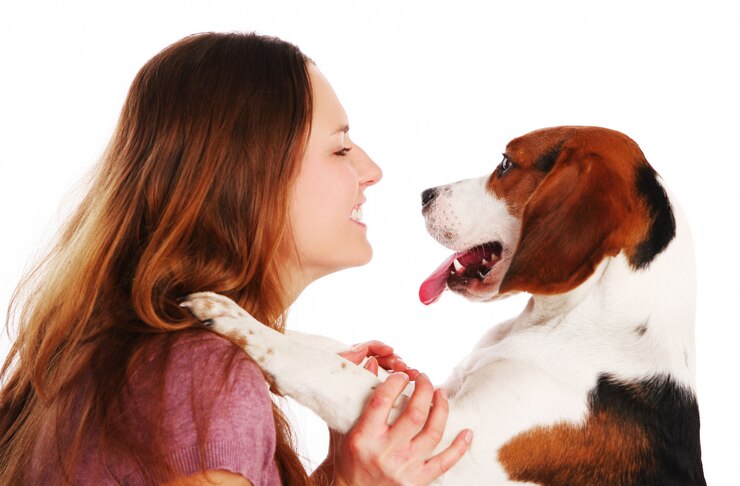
370, 172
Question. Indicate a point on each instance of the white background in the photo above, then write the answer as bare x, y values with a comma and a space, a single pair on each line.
433, 90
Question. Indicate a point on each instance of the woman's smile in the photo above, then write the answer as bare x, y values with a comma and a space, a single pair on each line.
356, 215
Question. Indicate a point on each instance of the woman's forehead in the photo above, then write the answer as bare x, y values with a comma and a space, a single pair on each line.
328, 113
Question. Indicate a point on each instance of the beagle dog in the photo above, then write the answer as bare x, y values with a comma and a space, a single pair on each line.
593, 383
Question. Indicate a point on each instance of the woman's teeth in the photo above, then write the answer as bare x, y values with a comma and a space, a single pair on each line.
356, 214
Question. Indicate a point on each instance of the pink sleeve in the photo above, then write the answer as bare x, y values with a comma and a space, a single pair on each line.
218, 410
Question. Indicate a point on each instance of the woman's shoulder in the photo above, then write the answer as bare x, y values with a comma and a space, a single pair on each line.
200, 366
194, 351
214, 406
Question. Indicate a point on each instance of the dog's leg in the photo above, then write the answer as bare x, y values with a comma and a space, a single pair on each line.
334, 388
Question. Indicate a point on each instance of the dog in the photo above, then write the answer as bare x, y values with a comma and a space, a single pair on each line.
593, 383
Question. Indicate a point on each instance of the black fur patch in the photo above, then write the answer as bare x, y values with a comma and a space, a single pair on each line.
668, 414
546, 161
662, 225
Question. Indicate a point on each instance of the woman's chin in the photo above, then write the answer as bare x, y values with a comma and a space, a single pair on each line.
358, 258
367, 254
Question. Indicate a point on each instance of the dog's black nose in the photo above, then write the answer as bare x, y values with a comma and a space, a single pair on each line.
428, 196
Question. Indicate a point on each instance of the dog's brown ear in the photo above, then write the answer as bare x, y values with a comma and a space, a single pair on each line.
569, 224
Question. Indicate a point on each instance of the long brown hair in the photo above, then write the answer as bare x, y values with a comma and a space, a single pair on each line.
191, 194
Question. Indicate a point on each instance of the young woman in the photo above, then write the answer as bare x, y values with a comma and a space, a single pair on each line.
231, 170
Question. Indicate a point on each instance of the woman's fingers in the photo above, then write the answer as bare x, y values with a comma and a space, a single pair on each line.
372, 365
433, 431
384, 355
377, 348
356, 354
375, 453
392, 362
381, 401
442, 462
413, 374
414, 417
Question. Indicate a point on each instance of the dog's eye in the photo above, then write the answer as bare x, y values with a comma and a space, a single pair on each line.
505, 165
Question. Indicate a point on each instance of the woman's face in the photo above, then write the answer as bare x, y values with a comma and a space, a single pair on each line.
326, 201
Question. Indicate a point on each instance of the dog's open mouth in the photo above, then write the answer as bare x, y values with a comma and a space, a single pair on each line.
474, 263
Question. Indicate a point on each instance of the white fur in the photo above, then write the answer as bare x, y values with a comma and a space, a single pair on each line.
465, 215
535, 369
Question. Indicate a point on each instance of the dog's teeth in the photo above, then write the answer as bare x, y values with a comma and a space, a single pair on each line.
484, 262
457, 264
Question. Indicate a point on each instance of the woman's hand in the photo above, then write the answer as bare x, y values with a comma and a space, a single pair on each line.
373, 453
379, 355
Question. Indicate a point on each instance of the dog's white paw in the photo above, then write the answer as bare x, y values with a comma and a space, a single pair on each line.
226, 318
323, 381
267, 347
208, 307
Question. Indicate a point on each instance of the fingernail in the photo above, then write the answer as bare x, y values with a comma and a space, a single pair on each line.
443, 392
468, 436
359, 347
423, 375
403, 376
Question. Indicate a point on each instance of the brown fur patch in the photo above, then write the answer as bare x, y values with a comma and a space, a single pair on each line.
516, 189
583, 207
237, 338
603, 452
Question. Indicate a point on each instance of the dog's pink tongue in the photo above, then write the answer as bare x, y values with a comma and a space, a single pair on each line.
436, 283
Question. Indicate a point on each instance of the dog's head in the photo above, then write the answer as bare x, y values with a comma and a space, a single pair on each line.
561, 201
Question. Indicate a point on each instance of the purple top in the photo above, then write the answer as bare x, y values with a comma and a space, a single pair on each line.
240, 431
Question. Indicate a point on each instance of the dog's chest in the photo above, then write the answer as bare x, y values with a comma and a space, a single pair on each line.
564, 421
503, 397
502, 400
